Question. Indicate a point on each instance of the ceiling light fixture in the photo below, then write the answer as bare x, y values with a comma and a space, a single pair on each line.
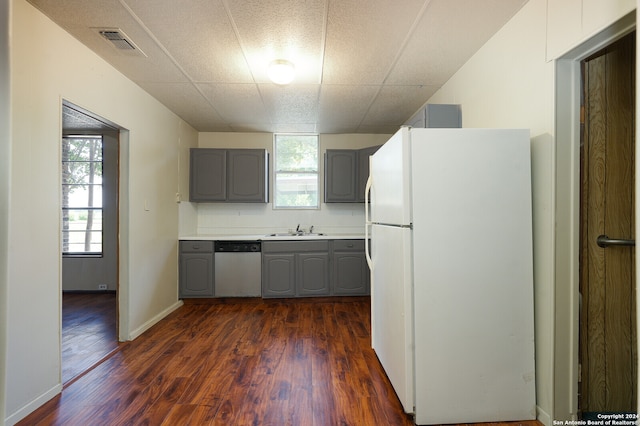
281, 71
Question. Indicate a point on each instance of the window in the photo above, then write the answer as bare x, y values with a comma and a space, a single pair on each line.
82, 195
296, 171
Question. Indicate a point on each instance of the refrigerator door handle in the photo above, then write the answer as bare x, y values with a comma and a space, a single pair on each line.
367, 222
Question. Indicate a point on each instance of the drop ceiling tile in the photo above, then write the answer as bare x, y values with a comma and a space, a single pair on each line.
82, 22
281, 29
396, 104
342, 107
363, 39
295, 128
449, 33
291, 104
388, 129
188, 103
74, 120
204, 57
199, 37
76, 12
253, 127
237, 103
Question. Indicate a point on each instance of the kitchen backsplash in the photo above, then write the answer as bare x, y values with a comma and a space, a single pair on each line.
257, 219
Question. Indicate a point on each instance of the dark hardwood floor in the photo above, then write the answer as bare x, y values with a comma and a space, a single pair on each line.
88, 331
239, 362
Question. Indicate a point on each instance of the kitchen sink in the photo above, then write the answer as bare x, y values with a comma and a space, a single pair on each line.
294, 234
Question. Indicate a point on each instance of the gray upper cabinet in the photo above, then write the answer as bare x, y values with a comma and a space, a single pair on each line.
246, 171
346, 173
437, 116
363, 170
228, 175
340, 176
208, 175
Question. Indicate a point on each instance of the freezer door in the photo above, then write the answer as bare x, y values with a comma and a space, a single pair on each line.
392, 307
391, 182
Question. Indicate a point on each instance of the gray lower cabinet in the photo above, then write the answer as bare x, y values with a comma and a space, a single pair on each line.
295, 268
350, 274
312, 274
278, 274
196, 269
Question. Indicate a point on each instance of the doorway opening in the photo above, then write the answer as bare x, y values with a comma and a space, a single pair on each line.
90, 152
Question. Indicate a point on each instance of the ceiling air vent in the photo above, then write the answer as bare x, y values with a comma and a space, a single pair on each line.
118, 39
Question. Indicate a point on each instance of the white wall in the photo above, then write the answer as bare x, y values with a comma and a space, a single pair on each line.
510, 82
258, 219
5, 152
47, 66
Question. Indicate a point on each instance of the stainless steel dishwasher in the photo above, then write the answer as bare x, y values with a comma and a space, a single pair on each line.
238, 271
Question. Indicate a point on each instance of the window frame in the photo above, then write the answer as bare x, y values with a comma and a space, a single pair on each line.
66, 208
277, 172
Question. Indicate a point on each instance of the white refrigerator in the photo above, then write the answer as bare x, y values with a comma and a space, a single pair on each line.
450, 229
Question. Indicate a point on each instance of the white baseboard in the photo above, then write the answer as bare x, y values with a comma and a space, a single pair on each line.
543, 416
153, 321
33, 405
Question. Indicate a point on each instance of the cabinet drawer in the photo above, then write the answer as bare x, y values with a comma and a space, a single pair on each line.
196, 246
355, 245
294, 246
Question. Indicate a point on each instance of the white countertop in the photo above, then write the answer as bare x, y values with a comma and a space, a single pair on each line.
267, 237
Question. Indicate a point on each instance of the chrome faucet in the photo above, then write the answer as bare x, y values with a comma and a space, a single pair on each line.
311, 229
298, 231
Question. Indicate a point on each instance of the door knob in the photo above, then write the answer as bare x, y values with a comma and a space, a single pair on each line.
604, 242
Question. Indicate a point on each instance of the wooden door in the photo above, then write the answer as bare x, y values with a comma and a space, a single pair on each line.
608, 354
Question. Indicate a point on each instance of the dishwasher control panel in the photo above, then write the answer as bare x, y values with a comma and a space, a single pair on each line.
237, 246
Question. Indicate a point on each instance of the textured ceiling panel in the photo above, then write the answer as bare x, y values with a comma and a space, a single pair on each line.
82, 19
362, 66
75, 120
291, 104
449, 33
188, 103
396, 104
363, 39
237, 103
278, 29
342, 105
295, 128
209, 51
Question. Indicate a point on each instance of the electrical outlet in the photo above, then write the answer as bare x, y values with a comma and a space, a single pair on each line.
102, 286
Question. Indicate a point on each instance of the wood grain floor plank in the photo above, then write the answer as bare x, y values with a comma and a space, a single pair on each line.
88, 331
239, 362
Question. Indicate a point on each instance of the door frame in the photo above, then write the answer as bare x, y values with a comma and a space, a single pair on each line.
568, 87
122, 255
